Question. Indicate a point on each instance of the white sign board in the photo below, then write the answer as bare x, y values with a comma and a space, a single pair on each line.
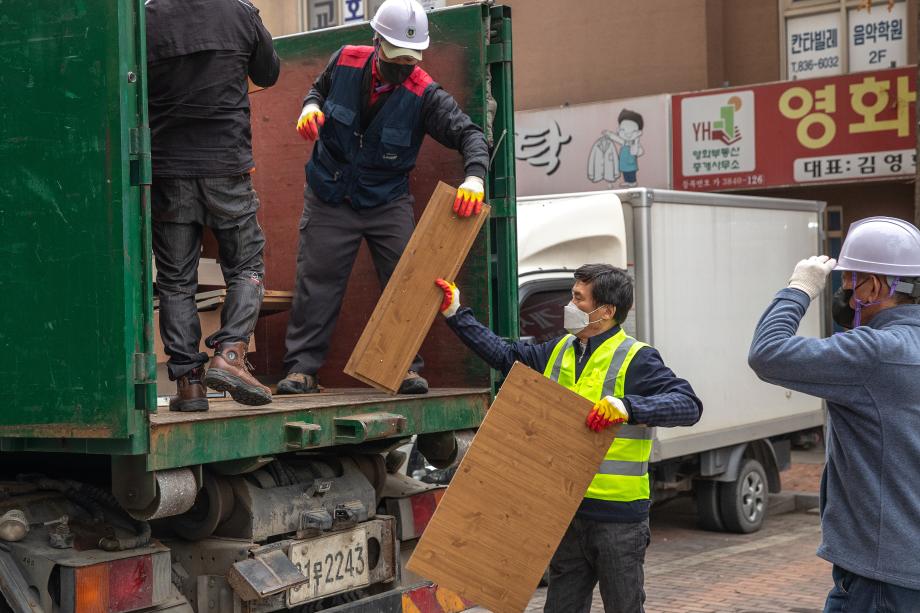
717, 134
352, 11
591, 147
878, 39
813, 46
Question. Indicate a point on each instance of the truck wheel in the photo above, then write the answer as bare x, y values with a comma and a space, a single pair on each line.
708, 515
744, 502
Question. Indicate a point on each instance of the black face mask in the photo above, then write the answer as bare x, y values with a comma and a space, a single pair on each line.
393, 73
841, 310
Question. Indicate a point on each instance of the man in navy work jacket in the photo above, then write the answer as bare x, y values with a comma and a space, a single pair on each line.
199, 55
870, 378
368, 112
628, 382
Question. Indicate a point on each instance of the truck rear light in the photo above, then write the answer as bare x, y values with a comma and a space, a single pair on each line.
118, 586
414, 512
423, 507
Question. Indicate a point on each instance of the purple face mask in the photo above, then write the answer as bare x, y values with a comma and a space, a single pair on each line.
860, 304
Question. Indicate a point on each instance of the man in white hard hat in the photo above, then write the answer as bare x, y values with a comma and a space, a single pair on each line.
870, 378
368, 113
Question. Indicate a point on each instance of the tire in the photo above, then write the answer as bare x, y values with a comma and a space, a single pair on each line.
743, 503
708, 514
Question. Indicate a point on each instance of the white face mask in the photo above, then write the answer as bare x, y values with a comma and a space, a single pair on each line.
575, 320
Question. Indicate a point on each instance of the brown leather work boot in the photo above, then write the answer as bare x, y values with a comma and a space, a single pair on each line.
192, 394
298, 383
229, 372
414, 383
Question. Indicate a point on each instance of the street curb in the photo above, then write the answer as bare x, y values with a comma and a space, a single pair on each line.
792, 502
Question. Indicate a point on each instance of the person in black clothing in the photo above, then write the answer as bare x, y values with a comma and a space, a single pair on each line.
368, 112
199, 55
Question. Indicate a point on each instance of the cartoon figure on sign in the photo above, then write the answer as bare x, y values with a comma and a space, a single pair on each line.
606, 161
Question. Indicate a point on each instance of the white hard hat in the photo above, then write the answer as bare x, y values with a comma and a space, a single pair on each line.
883, 246
403, 23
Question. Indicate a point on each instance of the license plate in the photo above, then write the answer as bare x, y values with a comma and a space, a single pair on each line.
333, 564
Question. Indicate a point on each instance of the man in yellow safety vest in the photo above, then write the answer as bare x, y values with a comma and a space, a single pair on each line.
629, 383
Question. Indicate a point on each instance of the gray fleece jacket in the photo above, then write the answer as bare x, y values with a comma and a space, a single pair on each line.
870, 378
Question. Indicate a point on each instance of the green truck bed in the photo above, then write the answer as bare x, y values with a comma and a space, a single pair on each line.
76, 336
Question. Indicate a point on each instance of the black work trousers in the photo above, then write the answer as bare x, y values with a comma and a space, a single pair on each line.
593, 552
330, 236
180, 208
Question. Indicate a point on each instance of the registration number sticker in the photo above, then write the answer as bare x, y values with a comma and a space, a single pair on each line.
333, 564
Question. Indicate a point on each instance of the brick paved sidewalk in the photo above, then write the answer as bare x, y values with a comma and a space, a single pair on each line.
774, 570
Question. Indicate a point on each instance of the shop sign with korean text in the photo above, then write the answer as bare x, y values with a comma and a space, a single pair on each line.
838, 129
878, 38
591, 147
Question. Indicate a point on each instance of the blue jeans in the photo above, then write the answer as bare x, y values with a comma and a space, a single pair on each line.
853, 593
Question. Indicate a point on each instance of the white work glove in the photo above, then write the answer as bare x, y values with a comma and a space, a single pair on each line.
451, 301
469, 197
311, 120
810, 275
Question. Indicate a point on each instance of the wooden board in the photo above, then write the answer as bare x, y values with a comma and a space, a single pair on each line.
411, 299
513, 495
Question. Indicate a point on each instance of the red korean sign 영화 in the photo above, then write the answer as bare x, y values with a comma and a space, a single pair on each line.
838, 129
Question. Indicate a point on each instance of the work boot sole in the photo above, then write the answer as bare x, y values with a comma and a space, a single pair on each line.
239, 390
413, 387
195, 405
285, 389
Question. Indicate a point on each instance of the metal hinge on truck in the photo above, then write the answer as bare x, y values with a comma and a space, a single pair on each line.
139, 150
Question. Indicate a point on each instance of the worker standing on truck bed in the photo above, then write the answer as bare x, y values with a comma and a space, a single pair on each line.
368, 113
199, 55
630, 384
870, 378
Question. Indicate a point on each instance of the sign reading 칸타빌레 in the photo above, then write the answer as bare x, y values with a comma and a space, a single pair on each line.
831, 130
813, 45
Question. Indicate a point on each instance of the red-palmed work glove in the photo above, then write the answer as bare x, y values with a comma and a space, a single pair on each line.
311, 120
607, 411
469, 197
451, 301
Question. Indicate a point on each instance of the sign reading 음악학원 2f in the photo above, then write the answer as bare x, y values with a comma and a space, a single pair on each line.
878, 38
839, 129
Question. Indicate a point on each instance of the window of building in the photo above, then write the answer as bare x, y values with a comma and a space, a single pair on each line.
829, 37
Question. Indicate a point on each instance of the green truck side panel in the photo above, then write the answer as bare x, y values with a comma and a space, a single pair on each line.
73, 232
75, 331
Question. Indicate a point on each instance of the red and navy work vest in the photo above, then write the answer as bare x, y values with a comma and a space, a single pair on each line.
371, 167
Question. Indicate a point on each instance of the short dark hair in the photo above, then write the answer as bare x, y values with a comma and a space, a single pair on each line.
609, 285
627, 115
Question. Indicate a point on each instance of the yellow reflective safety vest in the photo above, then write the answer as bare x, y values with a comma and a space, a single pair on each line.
623, 475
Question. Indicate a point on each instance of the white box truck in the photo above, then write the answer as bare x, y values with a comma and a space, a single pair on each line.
705, 267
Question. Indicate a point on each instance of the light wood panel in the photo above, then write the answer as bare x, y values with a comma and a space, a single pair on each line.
513, 495
411, 299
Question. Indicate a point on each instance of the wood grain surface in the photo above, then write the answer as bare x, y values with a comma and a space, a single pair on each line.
513, 495
411, 299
